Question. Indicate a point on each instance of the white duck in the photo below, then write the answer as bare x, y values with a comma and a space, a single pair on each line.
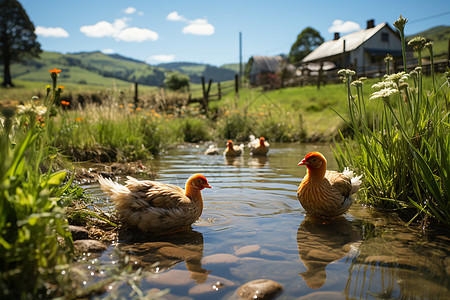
258, 147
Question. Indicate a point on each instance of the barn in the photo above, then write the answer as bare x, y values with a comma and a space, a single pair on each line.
363, 51
267, 69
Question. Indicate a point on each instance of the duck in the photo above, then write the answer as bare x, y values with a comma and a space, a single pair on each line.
155, 207
258, 147
233, 150
212, 150
324, 193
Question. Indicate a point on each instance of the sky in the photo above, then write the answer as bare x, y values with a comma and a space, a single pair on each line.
209, 31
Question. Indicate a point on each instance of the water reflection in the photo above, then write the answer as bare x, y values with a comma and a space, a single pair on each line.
234, 160
158, 254
321, 243
256, 162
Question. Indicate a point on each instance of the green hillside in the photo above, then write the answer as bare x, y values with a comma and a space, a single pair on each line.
439, 35
94, 68
97, 68
195, 71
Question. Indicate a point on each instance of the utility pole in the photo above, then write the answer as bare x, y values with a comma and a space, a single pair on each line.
240, 58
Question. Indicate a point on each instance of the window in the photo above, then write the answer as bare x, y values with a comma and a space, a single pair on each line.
384, 37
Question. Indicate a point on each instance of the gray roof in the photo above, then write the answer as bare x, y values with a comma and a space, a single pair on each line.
335, 47
266, 64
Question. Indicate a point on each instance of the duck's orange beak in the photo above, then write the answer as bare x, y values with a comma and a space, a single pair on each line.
207, 186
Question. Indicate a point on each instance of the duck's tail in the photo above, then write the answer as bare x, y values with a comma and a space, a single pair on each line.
356, 180
113, 189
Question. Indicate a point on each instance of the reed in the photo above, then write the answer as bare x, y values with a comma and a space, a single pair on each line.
403, 148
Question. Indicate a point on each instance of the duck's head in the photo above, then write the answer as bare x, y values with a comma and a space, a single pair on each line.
198, 182
230, 144
261, 141
314, 160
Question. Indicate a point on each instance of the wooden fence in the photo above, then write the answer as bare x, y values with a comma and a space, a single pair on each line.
208, 93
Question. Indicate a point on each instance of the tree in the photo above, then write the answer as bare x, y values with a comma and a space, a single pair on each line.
17, 37
176, 81
306, 42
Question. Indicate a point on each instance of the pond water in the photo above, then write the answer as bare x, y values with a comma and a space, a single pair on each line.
253, 227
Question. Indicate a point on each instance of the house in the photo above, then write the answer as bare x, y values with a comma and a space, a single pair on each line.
363, 51
267, 69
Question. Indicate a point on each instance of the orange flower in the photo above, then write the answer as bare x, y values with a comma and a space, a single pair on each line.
60, 86
78, 119
56, 71
65, 102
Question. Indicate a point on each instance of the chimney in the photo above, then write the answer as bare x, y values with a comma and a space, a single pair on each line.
370, 23
336, 36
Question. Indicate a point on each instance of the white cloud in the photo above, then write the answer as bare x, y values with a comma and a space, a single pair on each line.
130, 10
108, 51
56, 32
120, 31
135, 34
174, 16
199, 27
343, 27
161, 58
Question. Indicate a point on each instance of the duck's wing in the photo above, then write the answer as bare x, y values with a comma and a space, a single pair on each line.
339, 182
147, 193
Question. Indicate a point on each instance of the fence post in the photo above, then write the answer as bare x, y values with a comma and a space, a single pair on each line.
219, 91
136, 100
205, 94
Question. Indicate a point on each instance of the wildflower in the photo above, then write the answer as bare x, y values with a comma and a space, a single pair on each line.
400, 23
48, 88
30, 108
388, 58
78, 119
418, 43
403, 86
346, 72
385, 85
398, 77
65, 103
120, 106
55, 71
383, 93
138, 109
357, 83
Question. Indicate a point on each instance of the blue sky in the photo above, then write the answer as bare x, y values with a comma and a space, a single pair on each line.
208, 31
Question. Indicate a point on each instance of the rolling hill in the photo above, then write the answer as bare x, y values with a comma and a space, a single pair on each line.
439, 35
97, 68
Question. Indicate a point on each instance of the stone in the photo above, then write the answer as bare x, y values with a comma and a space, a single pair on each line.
323, 296
259, 289
78, 232
89, 246
247, 250
220, 258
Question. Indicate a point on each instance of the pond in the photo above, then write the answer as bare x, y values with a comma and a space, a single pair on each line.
253, 227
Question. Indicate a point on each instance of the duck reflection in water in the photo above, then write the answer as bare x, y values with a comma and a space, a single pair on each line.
321, 242
236, 161
257, 162
161, 253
